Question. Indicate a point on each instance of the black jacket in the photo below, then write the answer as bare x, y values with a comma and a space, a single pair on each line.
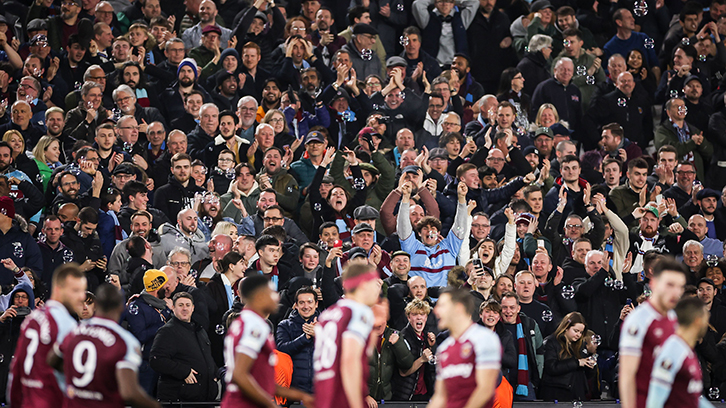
124, 217
635, 117
404, 387
178, 348
217, 297
565, 375
198, 141
291, 340
534, 69
494, 29
174, 197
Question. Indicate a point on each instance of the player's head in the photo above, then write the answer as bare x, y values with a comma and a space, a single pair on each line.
69, 287
109, 302
361, 283
669, 278
692, 314
257, 294
454, 305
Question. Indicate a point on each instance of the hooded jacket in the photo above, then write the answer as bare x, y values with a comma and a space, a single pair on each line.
172, 237
291, 339
119, 259
174, 197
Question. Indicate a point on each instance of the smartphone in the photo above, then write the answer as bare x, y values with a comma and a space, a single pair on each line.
629, 302
477, 263
540, 243
338, 244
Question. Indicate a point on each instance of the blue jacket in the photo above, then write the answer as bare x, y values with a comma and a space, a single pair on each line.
144, 321
291, 340
22, 249
320, 118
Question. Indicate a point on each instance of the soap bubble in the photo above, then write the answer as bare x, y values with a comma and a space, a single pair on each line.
608, 283
521, 131
403, 40
133, 309
596, 339
568, 292
566, 43
618, 285
433, 359
622, 102
366, 54
640, 8
348, 116
649, 43
317, 207
581, 70
219, 329
685, 41
399, 7
683, 110
526, 49
702, 58
576, 404
547, 315
590, 80
714, 393
207, 220
67, 256
673, 93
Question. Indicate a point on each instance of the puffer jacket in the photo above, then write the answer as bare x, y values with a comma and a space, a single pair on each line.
291, 340
172, 237
382, 364
404, 387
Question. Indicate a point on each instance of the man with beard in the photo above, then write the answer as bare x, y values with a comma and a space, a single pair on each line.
267, 199
144, 95
165, 72
68, 186
60, 27
226, 139
20, 120
207, 15
81, 238
141, 225
310, 88
253, 76
650, 237
247, 115
706, 204
225, 92
145, 314
271, 96
325, 40
179, 192
205, 132
109, 153
54, 122
185, 235
469, 88
136, 196
187, 75
274, 175
245, 189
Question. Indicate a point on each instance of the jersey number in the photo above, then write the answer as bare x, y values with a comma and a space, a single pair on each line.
87, 368
325, 347
34, 338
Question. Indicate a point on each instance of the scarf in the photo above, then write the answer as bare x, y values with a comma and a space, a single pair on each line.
153, 301
522, 362
118, 232
274, 275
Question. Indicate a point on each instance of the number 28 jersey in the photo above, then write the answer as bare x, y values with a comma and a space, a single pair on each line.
92, 353
346, 318
33, 382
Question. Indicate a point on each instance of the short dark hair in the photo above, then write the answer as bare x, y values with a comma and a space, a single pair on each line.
572, 32
615, 129
251, 284
266, 240
638, 162
462, 297
307, 245
688, 309
136, 246
510, 294
570, 158
611, 160
669, 264
88, 215
108, 298
412, 30
325, 225
356, 13
181, 295
229, 113
132, 188
63, 272
109, 197
230, 258
304, 290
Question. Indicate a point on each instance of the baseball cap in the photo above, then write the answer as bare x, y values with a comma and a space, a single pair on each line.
212, 29
411, 169
544, 131
314, 136
357, 252
396, 61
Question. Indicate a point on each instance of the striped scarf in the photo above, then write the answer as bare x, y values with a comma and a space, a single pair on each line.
522, 363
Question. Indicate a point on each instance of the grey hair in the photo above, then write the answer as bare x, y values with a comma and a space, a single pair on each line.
87, 74
207, 106
561, 146
243, 100
692, 242
54, 109
563, 60
87, 86
124, 119
180, 250
594, 252
669, 102
174, 132
123, 88
539, 42
484, 99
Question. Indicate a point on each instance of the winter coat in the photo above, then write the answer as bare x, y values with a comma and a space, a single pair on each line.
144, 321
565, 375
382, 364
178, 348
172, 237
291, 340
404, 387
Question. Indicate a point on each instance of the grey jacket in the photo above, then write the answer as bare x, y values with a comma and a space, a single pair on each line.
172, 237
119, 260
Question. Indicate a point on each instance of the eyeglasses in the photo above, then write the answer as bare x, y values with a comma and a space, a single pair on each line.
175, 50
178, 264
123, 176
105, 13
224, 159
573, 226
160, 132
21, 297
518, 77
70, 183
272, 219
480, 225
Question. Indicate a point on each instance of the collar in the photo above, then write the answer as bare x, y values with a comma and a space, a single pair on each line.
225, 280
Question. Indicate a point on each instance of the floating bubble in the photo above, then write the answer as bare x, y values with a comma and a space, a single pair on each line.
18, 251
403, 40
77, 86
581, 70
622, 102
376, 106
74, 169
618, 285
526, 49
521, 131
400, 7
366, 54
39, 178
207, 220
36, 72
576, 404
2, 358
317, 207
593, 359
608, 283
133, 309
179, 237
348, 116
359, 183
673, 93
702, 58
596, 339
433, 359
41, 238
128, 147
4, 104
67, 256
547, 315
640, 8
568, 292
649, 43
566, 43
647, 292
590, 80
685, 41
714, 393
220, 330
229, 174
89, 105
683, 110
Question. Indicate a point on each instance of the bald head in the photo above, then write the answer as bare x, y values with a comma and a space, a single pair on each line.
417, 286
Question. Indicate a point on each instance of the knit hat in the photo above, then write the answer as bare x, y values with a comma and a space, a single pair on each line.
192, 64
7, 207
154, 279
227, 52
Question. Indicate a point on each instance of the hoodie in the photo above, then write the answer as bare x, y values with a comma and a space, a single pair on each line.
172, 237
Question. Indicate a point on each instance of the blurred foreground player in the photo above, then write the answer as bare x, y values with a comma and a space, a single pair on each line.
469, 360
676, 380
100, 359
249, 351
33, 383
340, 360
646, 328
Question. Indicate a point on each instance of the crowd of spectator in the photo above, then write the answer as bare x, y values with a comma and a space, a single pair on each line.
544, 156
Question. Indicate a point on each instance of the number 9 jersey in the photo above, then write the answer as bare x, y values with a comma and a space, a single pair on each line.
346, 318
33, 383
92, 353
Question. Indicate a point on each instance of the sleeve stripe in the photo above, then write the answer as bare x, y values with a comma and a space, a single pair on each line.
628, 351
354, 335
246, 351
126, 364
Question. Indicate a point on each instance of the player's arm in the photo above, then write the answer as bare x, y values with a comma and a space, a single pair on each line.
294, 394
131, 391
626, 384
243, 378
55, 360
658, 391
350, 358
486, 383
438, 400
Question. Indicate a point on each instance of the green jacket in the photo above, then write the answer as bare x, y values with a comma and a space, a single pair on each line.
379, 190
381, 366
287, 190
625, 201
204, 59
665, 134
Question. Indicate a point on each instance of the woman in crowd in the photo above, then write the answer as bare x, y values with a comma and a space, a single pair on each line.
511, 85
21, 161
566, 369
109, 230
47, 156
638, 66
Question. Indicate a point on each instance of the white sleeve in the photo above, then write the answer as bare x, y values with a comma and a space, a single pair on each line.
665, 368
488, 352
632, 334
132, 358
360, 324
254, 336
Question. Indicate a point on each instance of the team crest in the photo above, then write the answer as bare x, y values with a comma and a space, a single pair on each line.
633, 331
667, 364
466, 350
658, 332
256, 333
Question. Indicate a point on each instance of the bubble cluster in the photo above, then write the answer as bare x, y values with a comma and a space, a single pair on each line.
683, 110
685, 41
348, 116
566, 43
618, 285
702, 58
